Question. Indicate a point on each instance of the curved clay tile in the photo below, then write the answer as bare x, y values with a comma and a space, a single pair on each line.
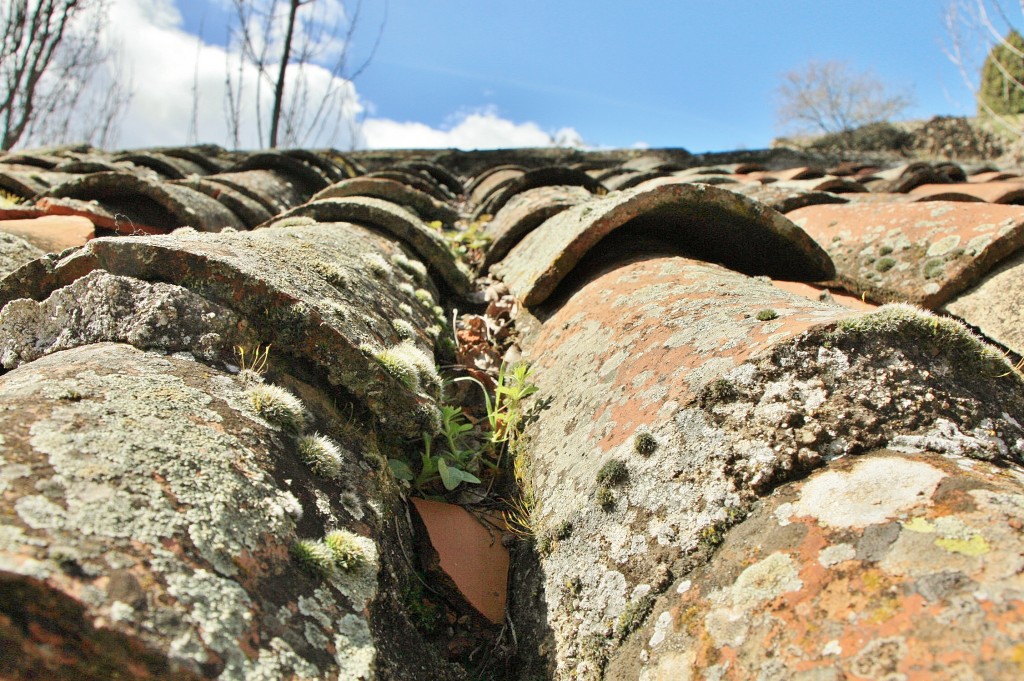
906, 181
192, 507
349, 164
329, 166
209, 157
712, 179
699, 220
52, 233
799, 173
992, 192
250, 211
27, 182
483, 184
271, 189
835, 185
307, 178
943, 192
147, 202
922, 253
440, 174
320, 294
167, 167
991, 176
415, 179
44, 161
394, 221
91, 165
680, 396
15, 251
423, 204
632, 179
652, 162
524, 213
539, 177
995, 305
784, 198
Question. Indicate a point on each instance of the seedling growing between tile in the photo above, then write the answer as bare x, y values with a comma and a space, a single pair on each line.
252, 363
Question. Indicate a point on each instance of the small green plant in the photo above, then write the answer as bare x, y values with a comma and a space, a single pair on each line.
346, 551
468, 243
885, 250
613, 472
766, 315
277, 405
644, 442
321, 454
934, 268
720, 390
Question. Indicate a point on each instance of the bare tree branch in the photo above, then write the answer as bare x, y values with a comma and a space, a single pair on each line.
829, 97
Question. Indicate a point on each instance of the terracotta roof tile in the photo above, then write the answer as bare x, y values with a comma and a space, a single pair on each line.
701, 220
784, 197
148, 202
995, 305
52, 233
921, 253
392, 220
538, 177
318, 293
424, 205
523, 213
992, 192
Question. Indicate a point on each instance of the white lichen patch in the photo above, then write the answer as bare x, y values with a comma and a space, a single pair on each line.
355, 653
874, 491
830, 556
104, 307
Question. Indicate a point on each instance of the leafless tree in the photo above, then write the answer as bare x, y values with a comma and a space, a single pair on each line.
299, 52
58, 81
830, 97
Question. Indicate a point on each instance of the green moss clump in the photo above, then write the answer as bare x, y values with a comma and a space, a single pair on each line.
766, 315
613, 472
315, 557
885, 264
934, 268
923, 328
605, 498
413, 267
644, 442
346, 550
321, 454
633, 616
404, 329
413, 367
885, 250
277, 405
721, 390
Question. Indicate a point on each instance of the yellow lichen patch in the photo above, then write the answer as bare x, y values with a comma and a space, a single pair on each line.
974, 546
919, 525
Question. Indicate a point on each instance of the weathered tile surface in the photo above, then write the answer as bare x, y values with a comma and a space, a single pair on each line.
921, 253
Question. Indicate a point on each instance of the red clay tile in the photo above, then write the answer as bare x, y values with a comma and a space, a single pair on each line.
52, 233
824, 294
992, 192
922, 253
995, 305
470, 553
700, 220
523, 213
423, 204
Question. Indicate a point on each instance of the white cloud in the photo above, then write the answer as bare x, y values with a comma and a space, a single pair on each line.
483, 129
179, 80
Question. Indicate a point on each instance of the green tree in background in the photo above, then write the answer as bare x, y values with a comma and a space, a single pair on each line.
1002, 78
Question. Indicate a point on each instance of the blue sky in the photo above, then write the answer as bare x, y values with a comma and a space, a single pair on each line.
699, 75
